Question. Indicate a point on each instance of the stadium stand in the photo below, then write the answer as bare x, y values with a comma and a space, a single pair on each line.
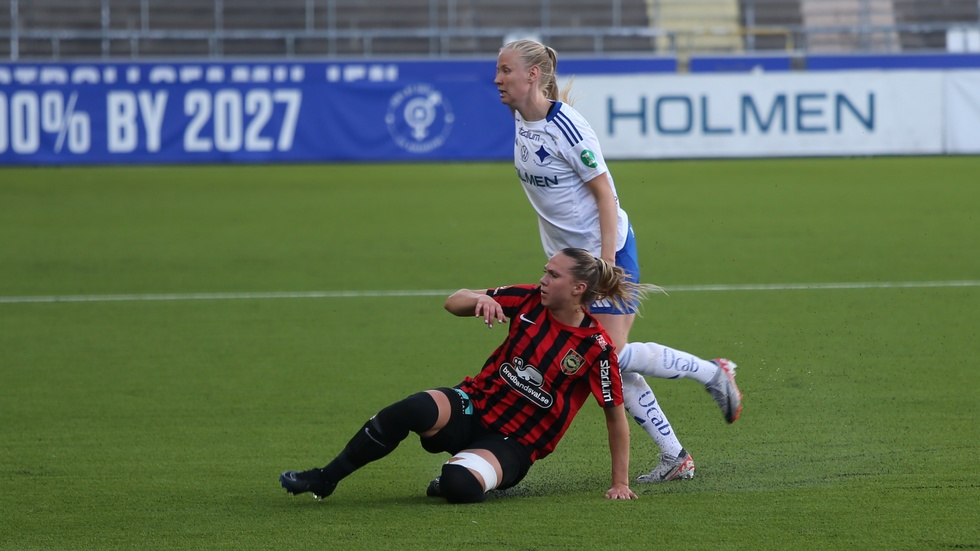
707, 25
840, 16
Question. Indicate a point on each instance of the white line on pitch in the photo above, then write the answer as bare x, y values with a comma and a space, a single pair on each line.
426, 293
823, 286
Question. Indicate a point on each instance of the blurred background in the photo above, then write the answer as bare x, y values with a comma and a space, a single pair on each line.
218, 81
62, 29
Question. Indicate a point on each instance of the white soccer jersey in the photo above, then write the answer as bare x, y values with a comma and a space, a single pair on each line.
554, 158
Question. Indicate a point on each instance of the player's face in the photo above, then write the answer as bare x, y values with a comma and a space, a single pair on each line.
512, 78
558, 286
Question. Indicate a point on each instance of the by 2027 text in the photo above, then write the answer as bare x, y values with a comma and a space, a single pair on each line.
226, 120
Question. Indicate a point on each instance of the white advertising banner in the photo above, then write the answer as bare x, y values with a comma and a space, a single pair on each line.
766, 115
963, 112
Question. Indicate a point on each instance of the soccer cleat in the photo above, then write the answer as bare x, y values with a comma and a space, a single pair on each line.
296, 482
670, 468
434, 490
724, 390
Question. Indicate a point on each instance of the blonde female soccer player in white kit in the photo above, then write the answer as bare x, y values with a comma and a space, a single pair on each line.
560, 164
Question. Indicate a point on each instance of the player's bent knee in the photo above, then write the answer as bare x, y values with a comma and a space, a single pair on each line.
416, 413
459, 485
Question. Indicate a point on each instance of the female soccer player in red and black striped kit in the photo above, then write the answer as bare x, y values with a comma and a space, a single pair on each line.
519, 406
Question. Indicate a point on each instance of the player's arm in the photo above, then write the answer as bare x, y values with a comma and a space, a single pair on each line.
619, 449
608, 215
467, 302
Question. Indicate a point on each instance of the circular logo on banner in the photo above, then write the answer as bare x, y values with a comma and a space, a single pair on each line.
419, 118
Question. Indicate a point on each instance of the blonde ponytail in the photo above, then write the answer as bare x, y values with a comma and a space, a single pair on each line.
606, 281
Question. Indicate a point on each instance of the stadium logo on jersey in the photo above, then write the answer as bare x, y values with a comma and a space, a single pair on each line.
605, 381
588, 159
419, 118
526, 380
572, 362
533, 136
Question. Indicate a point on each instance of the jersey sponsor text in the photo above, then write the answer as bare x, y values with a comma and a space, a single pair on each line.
537, 181
606, 381
527, 385
533, 136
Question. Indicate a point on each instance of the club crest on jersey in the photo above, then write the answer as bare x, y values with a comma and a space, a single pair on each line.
544, 158
588, 159
572, 362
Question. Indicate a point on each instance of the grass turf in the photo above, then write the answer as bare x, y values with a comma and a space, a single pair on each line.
163, 424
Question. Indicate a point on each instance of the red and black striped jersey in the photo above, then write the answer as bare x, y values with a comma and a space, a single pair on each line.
535, 382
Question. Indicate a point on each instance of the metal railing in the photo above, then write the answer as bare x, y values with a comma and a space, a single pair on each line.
109, 29
440, 42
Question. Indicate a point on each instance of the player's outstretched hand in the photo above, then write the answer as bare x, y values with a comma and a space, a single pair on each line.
620, 491
489, 310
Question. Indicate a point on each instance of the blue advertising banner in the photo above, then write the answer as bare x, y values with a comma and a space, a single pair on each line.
111, 113
274, 111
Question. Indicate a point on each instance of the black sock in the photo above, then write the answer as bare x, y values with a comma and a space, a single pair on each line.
382, 434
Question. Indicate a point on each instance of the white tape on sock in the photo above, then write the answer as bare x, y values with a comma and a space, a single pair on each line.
476, 463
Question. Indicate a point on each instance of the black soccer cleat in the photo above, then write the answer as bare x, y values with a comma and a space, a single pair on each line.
296, 482
434, 490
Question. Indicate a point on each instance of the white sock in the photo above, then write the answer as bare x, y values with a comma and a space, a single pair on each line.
642, 405
656, 360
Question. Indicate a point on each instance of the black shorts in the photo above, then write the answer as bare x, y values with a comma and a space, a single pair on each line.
464, 431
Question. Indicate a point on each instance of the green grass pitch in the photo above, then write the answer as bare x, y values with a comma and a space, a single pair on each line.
172, 338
